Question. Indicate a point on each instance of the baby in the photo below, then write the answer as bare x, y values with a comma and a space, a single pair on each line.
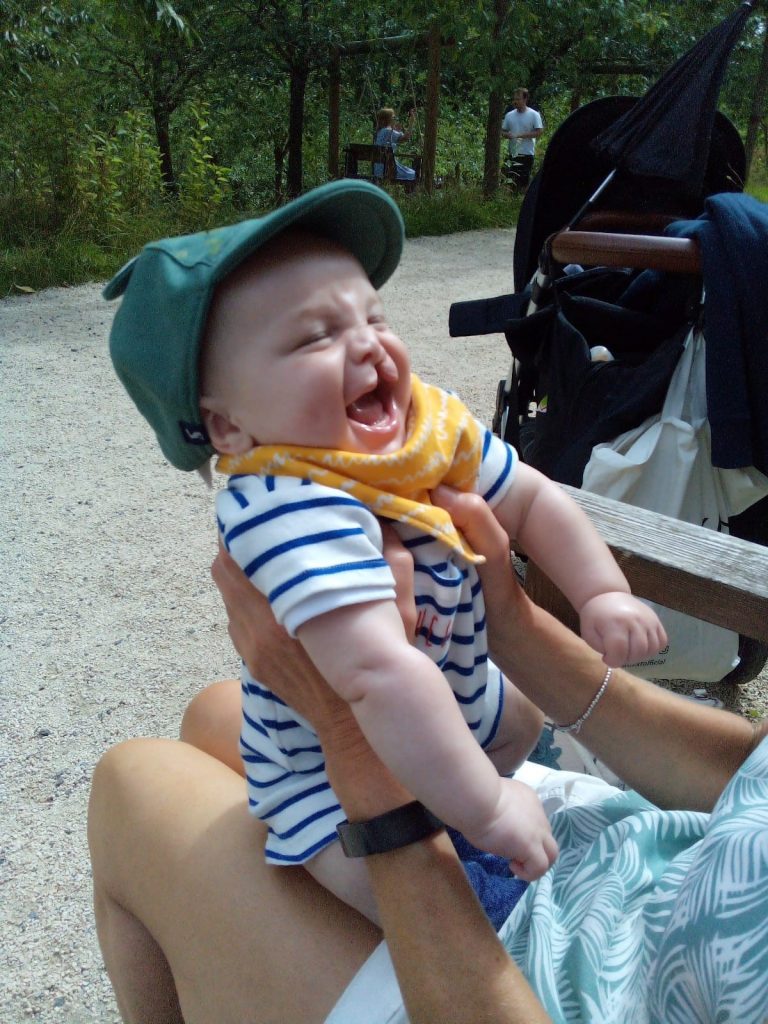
267, 343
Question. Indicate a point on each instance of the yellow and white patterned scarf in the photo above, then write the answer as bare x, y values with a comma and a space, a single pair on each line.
444, 445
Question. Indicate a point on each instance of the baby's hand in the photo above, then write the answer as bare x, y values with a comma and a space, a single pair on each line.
621, 628
519, 831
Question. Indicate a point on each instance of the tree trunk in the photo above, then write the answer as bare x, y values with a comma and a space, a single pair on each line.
279, 151
759, 97
334, 92
161, 117
429, 150
493, 142
495, 101
298, 88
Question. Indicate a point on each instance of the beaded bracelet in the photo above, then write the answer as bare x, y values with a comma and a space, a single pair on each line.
576, 726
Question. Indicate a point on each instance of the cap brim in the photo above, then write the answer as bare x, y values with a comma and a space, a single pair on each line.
358, 215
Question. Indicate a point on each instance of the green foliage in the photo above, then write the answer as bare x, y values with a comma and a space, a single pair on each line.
203, 184
758, 180
126, 121
34, 34
116, 176
455, 208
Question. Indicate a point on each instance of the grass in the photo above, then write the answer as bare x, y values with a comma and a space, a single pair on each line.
77, 254
56, 262
73, 256
453, 209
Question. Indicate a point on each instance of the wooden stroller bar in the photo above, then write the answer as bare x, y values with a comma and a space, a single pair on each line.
647, 252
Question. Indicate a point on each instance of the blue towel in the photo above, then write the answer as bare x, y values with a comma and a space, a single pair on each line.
733, 236
496, 888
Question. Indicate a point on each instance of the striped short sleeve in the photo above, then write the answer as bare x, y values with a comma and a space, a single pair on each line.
306, 547
497, 469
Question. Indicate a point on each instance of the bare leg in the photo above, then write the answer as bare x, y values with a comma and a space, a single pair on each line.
519, 730
346, 878
193, 925
212, 720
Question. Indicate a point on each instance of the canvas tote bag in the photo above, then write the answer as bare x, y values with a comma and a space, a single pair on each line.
665, 465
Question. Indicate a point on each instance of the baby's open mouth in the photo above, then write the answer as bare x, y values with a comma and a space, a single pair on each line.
374, 408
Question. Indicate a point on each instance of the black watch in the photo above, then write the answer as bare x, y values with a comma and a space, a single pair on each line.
389, 831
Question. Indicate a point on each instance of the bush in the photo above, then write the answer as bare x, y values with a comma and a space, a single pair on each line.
758, 181
58, 261
455, 208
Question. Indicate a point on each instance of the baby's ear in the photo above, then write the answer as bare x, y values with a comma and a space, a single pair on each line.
226, 436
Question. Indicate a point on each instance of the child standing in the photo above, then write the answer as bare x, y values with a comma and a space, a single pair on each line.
267, 343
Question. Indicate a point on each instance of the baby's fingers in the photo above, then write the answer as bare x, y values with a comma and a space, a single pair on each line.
538, 862
611, 640
646, 638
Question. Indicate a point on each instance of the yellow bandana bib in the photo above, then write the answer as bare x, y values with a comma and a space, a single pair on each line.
443, 446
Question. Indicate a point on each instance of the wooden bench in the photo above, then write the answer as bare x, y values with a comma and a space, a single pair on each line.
710, 575
357, 153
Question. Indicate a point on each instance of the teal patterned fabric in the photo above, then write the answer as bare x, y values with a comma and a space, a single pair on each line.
653, 916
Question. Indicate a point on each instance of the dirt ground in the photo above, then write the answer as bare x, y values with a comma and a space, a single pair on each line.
110, 622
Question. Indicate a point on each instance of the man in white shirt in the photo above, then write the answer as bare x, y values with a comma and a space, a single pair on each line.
521, 126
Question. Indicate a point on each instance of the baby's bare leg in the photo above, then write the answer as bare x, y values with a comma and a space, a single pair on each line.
345, 877
519, 730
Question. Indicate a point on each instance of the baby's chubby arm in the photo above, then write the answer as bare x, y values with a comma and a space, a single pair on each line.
406, 710
552, 529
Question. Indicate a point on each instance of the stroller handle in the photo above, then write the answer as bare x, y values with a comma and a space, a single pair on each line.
648, 252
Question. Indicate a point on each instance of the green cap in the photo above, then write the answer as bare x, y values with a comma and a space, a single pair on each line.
167, 290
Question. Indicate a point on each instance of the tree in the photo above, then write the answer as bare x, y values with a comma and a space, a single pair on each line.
496, 68
149, 47
757, 112
288, 39
34, 33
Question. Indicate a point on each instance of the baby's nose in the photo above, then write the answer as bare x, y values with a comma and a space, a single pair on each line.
363, 342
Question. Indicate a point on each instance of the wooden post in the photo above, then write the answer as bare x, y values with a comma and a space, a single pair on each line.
334, 90
432, 108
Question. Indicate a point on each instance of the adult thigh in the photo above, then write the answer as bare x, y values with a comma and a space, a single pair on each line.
173, 844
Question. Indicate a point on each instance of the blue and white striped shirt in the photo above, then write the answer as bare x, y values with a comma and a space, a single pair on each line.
309, 549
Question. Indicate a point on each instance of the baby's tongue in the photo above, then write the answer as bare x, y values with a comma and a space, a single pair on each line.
367, 409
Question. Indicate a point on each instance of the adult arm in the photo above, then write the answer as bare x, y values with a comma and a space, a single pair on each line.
429, 914
673, 751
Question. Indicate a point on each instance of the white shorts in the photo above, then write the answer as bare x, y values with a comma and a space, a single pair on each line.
373, 995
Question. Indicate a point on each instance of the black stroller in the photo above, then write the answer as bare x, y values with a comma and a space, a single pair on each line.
605, 302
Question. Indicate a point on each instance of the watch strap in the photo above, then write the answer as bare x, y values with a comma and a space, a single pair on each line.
389, 831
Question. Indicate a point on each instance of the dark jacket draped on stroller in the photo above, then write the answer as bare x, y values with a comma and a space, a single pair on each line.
595, 346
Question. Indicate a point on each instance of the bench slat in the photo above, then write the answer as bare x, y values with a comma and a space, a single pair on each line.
713, 576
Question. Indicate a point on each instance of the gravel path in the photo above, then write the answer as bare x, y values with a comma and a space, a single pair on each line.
105, 635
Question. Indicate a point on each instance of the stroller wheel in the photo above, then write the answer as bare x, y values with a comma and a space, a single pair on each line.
753, 656
506, 421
